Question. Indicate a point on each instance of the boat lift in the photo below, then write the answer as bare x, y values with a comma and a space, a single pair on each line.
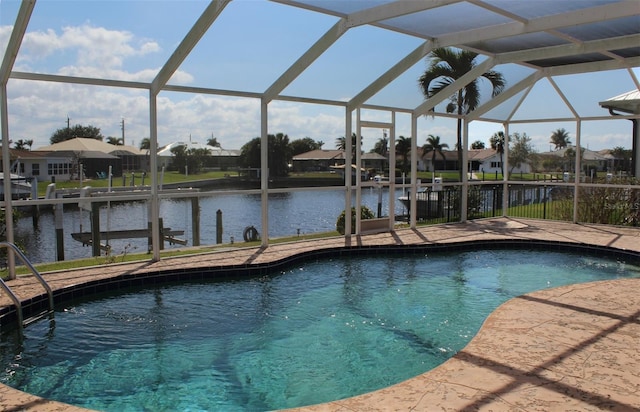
95, 236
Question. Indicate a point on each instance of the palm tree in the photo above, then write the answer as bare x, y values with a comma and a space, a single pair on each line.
497, 143
145, 143
22, 144
478, 144
570, 155
403, 148
446, 65
114, 140
341, 144
621, 159
560, 139
213, 142
381, 147
434, 146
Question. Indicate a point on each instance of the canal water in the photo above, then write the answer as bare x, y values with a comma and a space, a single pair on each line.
290, 214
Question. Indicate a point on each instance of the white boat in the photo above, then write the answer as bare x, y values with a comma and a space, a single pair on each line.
20, 187
430, 204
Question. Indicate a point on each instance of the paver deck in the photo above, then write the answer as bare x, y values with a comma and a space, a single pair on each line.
569, 348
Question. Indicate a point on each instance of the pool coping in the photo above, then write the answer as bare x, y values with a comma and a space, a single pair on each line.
477, 377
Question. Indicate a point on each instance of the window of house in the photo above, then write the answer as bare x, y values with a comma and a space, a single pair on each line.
35, 169
59, 168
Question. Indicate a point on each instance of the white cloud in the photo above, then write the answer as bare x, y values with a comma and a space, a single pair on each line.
85, 50
37, 45
235, 121
91, 46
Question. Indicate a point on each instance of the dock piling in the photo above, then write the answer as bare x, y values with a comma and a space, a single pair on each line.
59, 217
219, 226
195, 220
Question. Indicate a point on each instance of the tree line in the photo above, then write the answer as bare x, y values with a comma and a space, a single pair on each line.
282, 150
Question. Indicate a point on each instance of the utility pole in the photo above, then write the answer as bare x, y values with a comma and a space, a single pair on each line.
122, 124
69, 128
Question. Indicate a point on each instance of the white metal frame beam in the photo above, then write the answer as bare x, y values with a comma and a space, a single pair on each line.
11, 53
367, 16
43, 77
390, 75
200, 27
505, 95
581, 68
320, 46
572, 49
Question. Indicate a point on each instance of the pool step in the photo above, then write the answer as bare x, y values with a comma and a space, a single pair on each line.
37, 317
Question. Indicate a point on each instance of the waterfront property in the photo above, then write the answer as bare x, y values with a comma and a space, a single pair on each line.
217, 158
96, 158
551, 49
492, 33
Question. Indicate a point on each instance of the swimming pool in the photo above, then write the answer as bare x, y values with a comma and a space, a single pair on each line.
316, 332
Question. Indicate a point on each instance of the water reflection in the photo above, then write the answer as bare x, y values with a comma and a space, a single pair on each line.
290, 214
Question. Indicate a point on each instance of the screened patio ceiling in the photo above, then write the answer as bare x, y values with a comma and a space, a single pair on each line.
540, 39
559, 37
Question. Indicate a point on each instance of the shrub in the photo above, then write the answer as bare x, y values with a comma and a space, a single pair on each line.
604, 205
365, 213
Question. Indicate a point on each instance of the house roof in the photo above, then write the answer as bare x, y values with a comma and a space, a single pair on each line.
628, 102
213, 150
80, 154
586, 154
450, 155
336, 154
372, 156
607, 153
84, 144
219, 151
321, 154
481, 154
25, 154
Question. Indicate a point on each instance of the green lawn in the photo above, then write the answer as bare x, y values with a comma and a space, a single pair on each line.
177, 177
169, 177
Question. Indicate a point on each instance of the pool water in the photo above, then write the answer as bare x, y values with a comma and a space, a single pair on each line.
317, 332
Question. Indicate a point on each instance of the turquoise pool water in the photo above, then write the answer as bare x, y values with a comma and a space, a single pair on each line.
317, 332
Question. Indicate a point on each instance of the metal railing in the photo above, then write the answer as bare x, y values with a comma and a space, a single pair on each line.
597, 203
14, 298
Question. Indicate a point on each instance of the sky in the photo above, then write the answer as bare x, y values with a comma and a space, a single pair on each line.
246, 49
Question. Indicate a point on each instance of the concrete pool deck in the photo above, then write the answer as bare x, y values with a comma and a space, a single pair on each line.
575, 347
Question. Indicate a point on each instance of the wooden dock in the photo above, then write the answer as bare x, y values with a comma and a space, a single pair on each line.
167, 234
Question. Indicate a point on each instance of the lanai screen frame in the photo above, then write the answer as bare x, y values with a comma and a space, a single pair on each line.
380, 14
